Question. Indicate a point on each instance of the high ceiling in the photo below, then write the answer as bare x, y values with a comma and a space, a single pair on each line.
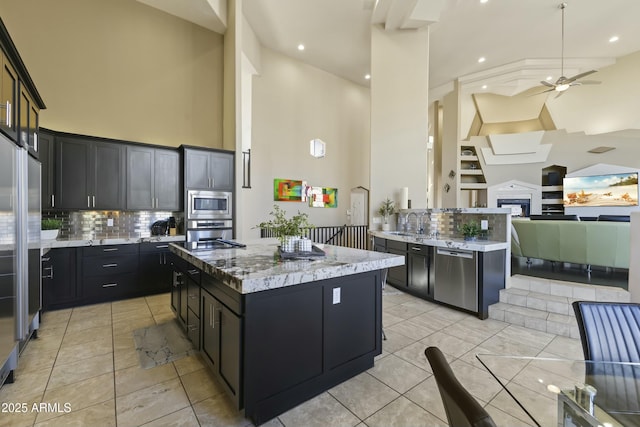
520, 39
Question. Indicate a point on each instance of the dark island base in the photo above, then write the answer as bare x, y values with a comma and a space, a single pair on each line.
300, 342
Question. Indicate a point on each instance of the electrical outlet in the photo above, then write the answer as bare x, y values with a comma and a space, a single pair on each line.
484, 224
109, 222
336, 295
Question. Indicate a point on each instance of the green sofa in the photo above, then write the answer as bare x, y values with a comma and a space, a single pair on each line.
605, 244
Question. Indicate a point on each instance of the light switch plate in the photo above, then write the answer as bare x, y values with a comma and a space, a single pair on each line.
109, 222
336, 295
484, 224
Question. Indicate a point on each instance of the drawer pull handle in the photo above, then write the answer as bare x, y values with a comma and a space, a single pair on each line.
192, 296
47, 259
109, 265
110, 250
162, 246
192, 327
109, 285
192, 272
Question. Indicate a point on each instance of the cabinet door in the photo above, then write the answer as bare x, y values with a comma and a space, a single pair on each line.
140, 182
221, 342
8, 98
167, 180
59, 284
197, 169
398, 275
108, 176
221, 173
73, 186
176, 285
34, 123
24, 106
418, 272
155, 272
46, 143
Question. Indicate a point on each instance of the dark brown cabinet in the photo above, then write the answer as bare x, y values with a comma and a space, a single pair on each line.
397, 276
59, 279
109, 272
155, 271
89, 174
47, 161
209, 169
221, 343
28, 122
8, 98
153, 178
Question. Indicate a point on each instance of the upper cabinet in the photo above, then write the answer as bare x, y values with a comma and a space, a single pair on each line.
153, 178
89, 174
209, 169
47, 160
20, 102
8, 98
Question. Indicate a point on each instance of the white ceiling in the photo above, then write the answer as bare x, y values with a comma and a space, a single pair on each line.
519, 38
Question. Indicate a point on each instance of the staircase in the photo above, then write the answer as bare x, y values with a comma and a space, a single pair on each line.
545, 305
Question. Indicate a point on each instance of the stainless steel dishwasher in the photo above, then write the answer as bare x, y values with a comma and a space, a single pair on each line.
456, 278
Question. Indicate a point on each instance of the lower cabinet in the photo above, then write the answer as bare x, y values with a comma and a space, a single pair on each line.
221, 343
59, 282
109, 272
420, 272
155, 271
397, 275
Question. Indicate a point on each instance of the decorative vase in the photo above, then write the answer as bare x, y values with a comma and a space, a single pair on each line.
49, 234
386, 226
289, 243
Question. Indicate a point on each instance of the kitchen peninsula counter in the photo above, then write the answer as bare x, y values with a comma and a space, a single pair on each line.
451, 243
278, 332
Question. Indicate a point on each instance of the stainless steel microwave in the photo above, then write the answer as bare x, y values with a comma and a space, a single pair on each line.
207, 204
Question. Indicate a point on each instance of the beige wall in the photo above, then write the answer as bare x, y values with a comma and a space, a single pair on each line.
292, 104
121, 69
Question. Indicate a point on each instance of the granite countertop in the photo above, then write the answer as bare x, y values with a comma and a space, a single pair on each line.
451, 243
107, 239
258, 267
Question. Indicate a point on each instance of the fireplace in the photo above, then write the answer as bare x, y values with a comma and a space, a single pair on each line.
523, 198
519, 207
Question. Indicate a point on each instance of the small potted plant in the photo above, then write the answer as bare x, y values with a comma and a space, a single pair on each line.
50, 229
470, 230
386, 209
287, 230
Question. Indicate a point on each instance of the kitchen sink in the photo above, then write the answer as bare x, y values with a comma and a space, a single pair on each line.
399, 233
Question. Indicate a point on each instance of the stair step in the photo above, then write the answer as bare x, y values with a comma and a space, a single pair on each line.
538, 301
554, 323
571, 290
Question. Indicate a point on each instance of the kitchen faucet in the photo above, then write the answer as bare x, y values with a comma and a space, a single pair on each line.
419, 222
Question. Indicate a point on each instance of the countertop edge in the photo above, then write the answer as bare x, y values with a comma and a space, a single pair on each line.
79, 242
477, 245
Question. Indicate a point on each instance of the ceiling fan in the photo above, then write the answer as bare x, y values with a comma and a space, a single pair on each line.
563, 83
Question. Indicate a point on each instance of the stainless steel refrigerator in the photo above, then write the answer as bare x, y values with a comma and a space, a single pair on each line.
9, 250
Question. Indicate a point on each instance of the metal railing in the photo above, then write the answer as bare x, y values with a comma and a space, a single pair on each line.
351, 236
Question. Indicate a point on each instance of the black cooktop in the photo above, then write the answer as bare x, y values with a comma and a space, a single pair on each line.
211, 244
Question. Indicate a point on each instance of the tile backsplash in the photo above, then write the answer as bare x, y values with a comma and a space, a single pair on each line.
92, 224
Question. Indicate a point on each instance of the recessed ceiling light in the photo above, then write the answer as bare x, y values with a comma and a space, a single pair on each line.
300, 46
367, 76
549, 78
482, 59
614, 39
484, 86
484, 1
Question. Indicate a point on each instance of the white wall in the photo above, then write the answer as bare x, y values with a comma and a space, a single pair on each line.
292, 104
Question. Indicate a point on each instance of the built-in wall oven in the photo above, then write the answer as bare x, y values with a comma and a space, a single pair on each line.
208, 233
207, 205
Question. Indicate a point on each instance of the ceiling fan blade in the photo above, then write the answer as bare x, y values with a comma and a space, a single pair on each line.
579, 76
540, 93
590, 82
546, 83
559, 94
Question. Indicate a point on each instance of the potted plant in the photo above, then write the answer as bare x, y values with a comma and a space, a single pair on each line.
50, 229
287, 230
386, 209
470, 230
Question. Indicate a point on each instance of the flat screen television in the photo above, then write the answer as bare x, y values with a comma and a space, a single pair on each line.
619, 189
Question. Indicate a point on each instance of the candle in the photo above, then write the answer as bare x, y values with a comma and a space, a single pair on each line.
404, 198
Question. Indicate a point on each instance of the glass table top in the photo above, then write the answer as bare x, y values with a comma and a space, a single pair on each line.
562, 392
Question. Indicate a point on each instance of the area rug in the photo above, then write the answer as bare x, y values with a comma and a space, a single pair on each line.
160, 344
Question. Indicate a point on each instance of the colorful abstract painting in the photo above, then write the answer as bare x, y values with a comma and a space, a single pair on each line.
322, 197
287, 190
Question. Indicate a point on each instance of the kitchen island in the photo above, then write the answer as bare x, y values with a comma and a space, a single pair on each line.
278, 332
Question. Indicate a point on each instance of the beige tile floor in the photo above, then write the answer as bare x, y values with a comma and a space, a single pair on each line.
84, 358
